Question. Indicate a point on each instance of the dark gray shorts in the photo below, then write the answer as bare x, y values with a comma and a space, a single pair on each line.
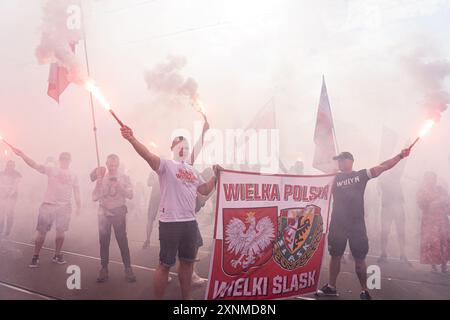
178, 238
354, 233
52, 213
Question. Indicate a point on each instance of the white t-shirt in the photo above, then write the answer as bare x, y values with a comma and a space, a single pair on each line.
61, 183
178, 183
107, 193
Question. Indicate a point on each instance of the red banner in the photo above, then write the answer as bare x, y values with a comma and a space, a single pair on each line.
269, 235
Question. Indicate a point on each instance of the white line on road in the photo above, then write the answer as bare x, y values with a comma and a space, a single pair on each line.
24, 290
88, 257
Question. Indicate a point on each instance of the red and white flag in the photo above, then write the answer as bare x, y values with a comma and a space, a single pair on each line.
269, 235
58, 79
324, 140
264, 119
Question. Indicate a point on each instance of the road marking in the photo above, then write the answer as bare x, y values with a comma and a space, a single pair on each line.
27, 291
88, 257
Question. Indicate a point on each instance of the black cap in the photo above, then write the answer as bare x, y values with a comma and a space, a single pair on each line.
344, 155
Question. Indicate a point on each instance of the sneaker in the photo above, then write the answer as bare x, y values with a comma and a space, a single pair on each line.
129, 275
146, 244
327, 291
198, 281
58, 258
382, 258
103, 275
364, 295
34, 262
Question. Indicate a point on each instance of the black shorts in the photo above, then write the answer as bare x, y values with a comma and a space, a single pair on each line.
354, 233
177, 238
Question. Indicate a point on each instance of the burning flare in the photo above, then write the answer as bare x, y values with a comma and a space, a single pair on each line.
426, 127
199, 106
95, 91
6, 142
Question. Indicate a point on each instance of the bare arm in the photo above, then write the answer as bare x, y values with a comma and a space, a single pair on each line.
152, 159
97, 194
30, 162
206, 188
389, 164
198, 146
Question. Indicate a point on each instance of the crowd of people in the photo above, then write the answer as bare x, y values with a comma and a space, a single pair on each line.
179, 192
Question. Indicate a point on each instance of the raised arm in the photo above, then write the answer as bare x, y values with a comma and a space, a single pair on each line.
152, 159
206, 188
198, 146
30, 162
389, 164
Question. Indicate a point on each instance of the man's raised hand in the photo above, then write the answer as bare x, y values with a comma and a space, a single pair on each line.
405, 153
127, 133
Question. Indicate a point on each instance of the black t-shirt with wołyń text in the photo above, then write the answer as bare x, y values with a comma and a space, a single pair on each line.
348, 195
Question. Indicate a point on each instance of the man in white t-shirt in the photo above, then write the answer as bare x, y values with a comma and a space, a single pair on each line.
112, 191
57, 205
178, 229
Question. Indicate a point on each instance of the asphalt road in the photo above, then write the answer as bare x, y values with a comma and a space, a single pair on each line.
17, 281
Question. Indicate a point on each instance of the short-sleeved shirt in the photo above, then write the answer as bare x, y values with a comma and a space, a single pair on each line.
153, 207
348, 196
8, 183
178, 182
108, 193
61, 183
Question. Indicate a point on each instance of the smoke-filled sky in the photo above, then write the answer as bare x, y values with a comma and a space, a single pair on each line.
383, 61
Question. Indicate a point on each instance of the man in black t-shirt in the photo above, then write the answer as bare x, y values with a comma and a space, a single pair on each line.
347, 219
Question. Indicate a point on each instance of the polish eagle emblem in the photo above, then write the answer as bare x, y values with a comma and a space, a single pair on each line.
248, 240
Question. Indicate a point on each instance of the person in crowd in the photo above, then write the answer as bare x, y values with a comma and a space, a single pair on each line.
392, 211
347, 219
9, 186
57, 205
434, 202
178, 228
112, 190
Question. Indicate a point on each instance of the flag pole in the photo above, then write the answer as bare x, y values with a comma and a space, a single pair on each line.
334, 130
91, 99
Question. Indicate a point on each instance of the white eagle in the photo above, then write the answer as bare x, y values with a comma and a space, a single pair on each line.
249, 242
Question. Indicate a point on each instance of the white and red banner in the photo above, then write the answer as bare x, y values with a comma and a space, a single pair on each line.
324, 140
269, 235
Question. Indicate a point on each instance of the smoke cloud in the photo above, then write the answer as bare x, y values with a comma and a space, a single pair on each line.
57, 44
430, 75
166, 79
